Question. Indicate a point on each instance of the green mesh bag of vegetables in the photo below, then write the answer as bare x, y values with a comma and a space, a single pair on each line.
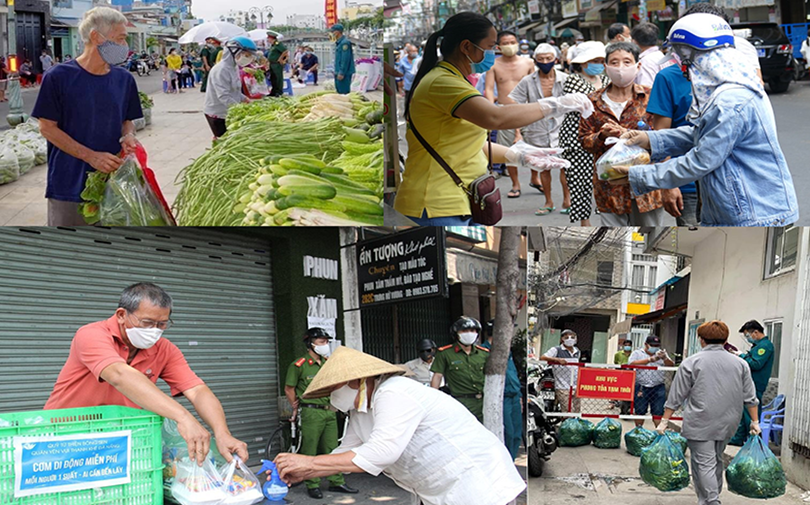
677, 439
575, 432
638, 439
663, 465
755, 472
608, 434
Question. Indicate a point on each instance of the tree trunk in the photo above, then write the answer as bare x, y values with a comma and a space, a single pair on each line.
506, 302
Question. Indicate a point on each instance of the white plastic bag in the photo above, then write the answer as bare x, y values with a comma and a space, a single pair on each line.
198, 485
9, 167
241, 485
25, 156
620, 155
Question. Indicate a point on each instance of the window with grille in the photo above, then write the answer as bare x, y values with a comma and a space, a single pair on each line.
773, 330
644, 257
604, 273
782, 249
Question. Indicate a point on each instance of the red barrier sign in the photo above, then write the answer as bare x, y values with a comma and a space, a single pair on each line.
605, 383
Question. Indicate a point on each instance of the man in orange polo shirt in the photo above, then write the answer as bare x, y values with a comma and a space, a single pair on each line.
118, 361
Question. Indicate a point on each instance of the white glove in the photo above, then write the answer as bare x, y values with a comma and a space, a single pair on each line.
535, 158
574, 102
662, 426
755, 429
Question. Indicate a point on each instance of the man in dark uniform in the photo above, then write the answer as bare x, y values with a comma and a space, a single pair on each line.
277, 56
760, 360
344, 60
318, 419
209, 55
462, 366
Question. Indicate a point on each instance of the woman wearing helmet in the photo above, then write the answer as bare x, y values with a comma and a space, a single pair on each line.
224, 84
731, 145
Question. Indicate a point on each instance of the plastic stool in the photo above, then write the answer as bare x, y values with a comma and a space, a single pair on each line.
39, 79
288, 89
310, 77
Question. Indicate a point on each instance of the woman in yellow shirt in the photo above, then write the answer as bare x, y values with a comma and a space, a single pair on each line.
174, 62
453, 118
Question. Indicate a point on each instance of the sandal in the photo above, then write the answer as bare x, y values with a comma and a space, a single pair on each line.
566, 211
544, 211
513, 193
536, 186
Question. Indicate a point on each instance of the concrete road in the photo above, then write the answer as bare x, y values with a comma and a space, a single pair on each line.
149, 84
587, 475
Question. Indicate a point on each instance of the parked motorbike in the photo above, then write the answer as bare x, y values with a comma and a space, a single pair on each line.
541, 432
143, 67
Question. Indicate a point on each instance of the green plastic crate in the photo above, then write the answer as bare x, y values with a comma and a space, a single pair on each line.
146, 486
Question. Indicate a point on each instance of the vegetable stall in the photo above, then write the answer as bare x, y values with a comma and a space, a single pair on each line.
316, 159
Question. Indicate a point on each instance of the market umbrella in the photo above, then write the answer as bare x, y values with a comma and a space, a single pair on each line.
257, 35
570, 32
219, 29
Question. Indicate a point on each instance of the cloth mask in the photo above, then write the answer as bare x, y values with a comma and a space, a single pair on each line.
570, 342
112, 53
509, 49
594, 68
144, 338
468, 338
322, 350
485, 63
244, 60
544, 67
622, 76
343, 398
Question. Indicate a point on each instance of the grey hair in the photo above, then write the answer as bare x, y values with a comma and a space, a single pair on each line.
133, 295
100, 19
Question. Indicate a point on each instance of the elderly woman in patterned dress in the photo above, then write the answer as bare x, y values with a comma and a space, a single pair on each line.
587, 76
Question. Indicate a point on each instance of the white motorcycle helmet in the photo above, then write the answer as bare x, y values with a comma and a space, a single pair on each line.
698, 32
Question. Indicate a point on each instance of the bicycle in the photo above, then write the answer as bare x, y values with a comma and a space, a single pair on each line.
285, 438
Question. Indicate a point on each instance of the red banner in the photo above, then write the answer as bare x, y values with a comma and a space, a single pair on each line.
331, 13
605, 383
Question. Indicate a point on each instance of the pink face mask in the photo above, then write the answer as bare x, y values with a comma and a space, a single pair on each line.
622, 76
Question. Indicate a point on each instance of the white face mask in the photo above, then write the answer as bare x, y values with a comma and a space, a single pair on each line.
244, 60
144, 338
570, 342
343, 398
322, 350
622, 76
468, 338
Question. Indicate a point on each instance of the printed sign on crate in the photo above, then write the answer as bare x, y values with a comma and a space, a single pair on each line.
606, 384
50, 464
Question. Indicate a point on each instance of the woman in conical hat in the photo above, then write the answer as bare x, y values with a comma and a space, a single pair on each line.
424, 440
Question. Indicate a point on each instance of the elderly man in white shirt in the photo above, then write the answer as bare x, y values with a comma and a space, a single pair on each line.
424, 440
645, 36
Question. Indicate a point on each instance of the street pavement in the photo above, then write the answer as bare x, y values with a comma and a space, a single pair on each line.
587, 475
792, 110
179, 134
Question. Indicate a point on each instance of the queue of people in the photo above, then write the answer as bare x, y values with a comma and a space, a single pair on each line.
700, 109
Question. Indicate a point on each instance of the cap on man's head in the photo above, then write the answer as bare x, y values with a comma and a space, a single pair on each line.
336, 28
568, 332
653, 340
271, 33
752, 325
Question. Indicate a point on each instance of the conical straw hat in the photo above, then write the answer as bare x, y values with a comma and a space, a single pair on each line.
345, 365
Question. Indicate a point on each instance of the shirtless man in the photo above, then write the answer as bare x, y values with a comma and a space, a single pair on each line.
507, 71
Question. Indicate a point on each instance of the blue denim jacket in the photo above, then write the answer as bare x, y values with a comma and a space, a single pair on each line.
734, 152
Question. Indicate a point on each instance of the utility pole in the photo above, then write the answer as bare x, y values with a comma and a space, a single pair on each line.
16, 115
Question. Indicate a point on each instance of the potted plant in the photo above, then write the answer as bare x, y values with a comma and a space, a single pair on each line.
146, 106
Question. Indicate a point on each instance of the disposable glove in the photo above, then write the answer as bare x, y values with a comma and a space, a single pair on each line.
574, 102
755, 429
535, 158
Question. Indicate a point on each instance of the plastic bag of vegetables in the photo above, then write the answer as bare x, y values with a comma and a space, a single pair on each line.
638, 439
755, 472
123, 198
663, 465
678, 440
25, 156
9, 168
608, 434
620, 155
575, 432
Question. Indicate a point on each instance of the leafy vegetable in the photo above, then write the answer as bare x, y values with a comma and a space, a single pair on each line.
663, 465
146, 101
677, 439
755, 472
608, 434
575, 432
638, 439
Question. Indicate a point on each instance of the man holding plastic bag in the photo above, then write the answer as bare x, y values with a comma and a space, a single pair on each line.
85, 109
712, 385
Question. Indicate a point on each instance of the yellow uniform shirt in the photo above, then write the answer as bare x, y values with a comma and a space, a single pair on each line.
425, 184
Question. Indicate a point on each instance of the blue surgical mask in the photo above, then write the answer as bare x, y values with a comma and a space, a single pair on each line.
594, 68
112, 53
544, 67
486, 63
654, 350
628, 348
750, 339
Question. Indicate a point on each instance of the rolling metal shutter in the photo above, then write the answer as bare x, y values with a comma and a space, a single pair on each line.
52, 281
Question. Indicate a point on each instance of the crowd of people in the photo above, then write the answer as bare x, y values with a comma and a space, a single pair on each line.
700, 109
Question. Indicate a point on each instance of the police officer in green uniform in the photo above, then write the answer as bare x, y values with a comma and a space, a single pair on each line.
760, 359
277, 55
462, 366
318, 420
344, 60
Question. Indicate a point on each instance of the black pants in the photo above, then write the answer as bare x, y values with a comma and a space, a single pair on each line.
302, 76
217, 125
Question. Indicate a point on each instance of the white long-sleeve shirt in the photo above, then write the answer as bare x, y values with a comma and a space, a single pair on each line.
431, 445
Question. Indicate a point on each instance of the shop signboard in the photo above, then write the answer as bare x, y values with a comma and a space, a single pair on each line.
52, 464
570, 8
534, 7
656, 5
402, 267
606, 384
